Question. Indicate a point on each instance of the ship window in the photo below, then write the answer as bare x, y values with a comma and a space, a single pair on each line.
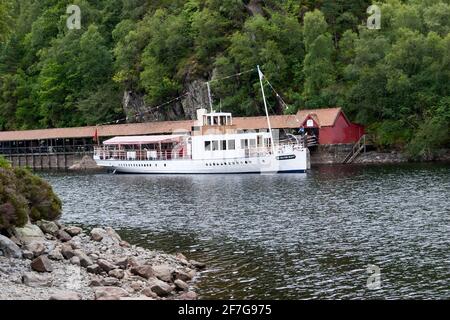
215, 145
252, 143
207, 145
231, 145
223, 145
259, 141
208, 122
244, 143
215, 120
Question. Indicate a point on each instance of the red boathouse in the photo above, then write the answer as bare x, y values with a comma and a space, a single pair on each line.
330, 125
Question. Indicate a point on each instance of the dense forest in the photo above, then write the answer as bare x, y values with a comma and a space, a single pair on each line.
395, 80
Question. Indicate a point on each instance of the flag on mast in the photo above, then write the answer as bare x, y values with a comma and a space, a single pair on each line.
95, 137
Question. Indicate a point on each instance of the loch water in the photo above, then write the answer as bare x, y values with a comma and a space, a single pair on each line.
319, 235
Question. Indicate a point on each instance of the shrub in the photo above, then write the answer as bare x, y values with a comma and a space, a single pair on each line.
13, 205
433, 134
24, 196
42, 201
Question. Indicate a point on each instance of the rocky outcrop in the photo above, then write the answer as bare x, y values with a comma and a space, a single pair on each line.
381, 157
95, 265
28, 233
86, 163
8, 248
254, 7
194, 96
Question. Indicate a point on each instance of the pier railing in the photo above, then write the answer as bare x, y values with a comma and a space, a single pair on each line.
139, 155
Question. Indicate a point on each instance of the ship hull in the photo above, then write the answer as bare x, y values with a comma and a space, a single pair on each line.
295, 162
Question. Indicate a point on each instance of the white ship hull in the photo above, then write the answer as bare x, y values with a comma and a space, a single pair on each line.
295, 161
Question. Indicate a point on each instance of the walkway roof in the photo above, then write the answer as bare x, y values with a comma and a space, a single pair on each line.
326, 117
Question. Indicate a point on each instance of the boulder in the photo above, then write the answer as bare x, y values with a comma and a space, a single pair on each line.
144, 271
183, 276
113, 234
97, 234
73, 231
197, 265
106, 265
32, 279
36, 247
48, 227
133, 262
94, 256
66, 296
9, 248
190, 295
110, 293
163, 272
124, 244
159, 287
75, 261
63, 236
122, 263
110, 282
117, 273
149, 293
94, 269
96, 281
56, 255
137, 286
182, 259
29, 233
181, 285
67, 251
28, 254
48, 236
85, 261
42, 264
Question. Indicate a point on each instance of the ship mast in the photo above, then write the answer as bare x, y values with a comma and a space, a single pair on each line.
209, 96
261, 76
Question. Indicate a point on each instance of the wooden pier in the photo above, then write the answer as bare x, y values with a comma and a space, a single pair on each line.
60, 148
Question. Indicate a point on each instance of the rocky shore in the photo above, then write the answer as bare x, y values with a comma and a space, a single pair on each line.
48, 260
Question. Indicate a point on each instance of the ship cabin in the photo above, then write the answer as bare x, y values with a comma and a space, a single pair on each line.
213, 136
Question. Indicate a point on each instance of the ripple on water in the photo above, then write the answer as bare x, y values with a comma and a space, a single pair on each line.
285, 236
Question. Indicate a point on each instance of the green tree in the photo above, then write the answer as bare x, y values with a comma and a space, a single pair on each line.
318, 66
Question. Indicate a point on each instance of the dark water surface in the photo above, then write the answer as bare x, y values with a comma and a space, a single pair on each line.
292, 236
